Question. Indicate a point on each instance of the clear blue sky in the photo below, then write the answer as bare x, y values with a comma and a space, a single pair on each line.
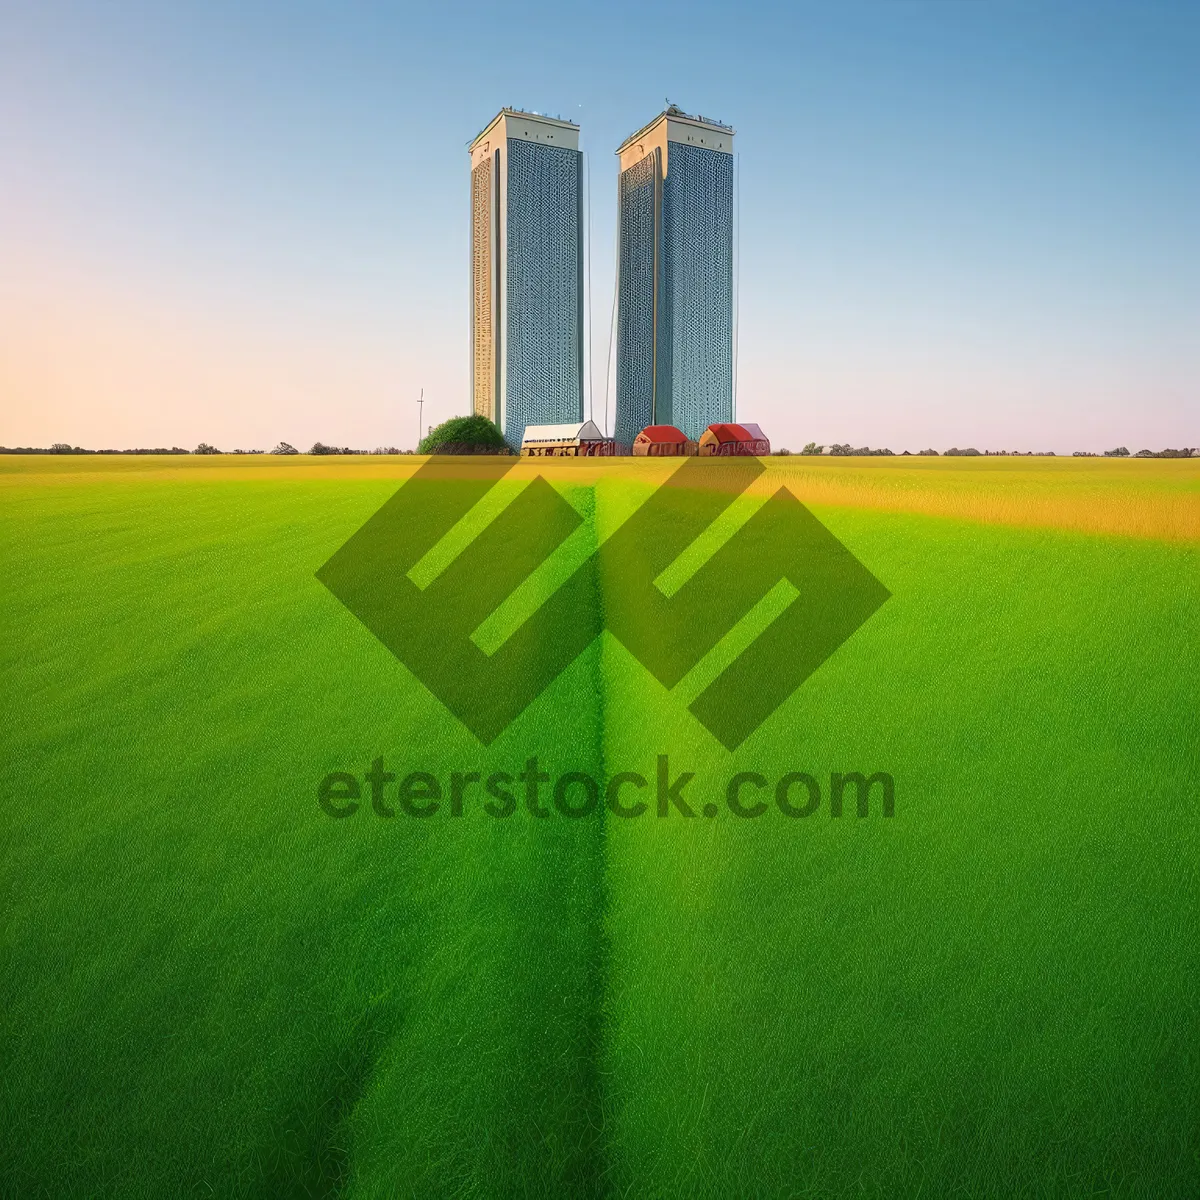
961, 223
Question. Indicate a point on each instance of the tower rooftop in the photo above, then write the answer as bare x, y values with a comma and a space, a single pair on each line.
676, 115
534, 117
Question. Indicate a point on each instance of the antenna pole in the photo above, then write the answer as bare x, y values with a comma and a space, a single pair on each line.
420, 416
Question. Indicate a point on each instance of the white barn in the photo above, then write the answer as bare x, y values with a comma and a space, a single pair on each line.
578, 439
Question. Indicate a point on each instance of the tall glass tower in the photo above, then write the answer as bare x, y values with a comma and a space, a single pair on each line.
527, 273
675, 276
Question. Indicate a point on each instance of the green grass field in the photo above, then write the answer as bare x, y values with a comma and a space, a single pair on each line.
209, 987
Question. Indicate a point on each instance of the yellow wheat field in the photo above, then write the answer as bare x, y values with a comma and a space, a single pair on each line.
1143, 498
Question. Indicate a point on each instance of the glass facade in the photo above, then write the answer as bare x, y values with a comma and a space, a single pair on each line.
635, 303
675, 350
483, 271
543, 320
696, 322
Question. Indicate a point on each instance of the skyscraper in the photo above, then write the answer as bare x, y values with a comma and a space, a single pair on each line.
527, 272
675, 276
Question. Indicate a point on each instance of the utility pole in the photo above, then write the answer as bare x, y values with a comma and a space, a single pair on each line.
420, 416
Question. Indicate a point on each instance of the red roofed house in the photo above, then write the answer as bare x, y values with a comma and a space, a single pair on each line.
662, 441
727, 439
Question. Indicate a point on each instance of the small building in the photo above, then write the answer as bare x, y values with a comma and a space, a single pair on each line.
663, 441
728, 439
576, 440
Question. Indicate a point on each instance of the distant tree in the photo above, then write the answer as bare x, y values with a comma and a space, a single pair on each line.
321, 448
812, 448
285, 448
955, 451
464, 435
782, 450
205, 448
60, 448
1144, 454
927, 453
1119, 452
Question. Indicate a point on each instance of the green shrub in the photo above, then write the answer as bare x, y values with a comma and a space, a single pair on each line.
466, 435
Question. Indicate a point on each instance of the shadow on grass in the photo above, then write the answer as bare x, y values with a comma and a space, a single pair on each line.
309, 1154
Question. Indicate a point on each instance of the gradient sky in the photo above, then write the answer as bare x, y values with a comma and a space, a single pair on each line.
962, 223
